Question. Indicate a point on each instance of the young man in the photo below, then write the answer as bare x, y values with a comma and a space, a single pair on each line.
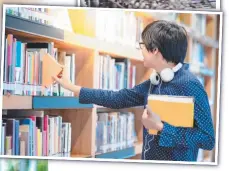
164, 48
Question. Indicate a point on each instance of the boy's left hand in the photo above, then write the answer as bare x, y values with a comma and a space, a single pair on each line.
151, 120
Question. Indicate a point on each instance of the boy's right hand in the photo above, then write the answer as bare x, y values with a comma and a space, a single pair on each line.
63, 80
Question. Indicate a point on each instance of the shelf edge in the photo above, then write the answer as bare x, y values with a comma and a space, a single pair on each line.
58, 102
16, 102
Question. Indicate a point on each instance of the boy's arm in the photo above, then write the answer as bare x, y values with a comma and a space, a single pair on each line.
201, 136
123, 98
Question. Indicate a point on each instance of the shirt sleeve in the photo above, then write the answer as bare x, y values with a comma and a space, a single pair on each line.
123, 98
202, 135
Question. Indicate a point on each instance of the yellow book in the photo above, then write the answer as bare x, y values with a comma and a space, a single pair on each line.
177, 111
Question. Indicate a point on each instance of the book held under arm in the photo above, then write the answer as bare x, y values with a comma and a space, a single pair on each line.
177, 111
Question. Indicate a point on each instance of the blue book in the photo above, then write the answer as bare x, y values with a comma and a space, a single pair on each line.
18, 56
17, 138
18, 68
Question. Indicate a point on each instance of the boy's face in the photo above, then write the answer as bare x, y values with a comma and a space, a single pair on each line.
150, 58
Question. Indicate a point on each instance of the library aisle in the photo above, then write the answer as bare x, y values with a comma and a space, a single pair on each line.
99, 48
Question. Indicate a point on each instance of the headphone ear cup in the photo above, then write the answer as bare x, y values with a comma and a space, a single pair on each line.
167, 74
154, 78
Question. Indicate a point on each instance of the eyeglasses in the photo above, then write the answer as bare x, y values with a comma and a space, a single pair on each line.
141, 45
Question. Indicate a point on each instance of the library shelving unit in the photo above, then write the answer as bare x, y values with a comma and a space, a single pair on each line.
87, 47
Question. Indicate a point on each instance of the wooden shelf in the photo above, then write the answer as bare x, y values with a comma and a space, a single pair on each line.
17, 102
113, 49
80, 156
42, 102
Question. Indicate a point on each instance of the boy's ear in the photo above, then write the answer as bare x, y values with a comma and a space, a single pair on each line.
155, 51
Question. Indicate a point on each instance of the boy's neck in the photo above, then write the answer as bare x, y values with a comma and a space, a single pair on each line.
159, 68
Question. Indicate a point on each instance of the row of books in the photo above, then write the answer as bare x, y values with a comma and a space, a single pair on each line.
40, 15
119, 27
114, 131
115, 74
23, 68
125, 28
32, 133
54, 17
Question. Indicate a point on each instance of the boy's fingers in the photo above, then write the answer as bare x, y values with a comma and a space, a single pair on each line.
144, 113
148, 108
64, 72
150, 113
56, 79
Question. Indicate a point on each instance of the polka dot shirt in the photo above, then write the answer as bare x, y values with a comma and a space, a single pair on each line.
173, 143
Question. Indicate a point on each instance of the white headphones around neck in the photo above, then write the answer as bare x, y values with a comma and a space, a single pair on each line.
165, 75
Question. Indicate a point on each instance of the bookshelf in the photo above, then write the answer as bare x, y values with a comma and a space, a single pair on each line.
89, 46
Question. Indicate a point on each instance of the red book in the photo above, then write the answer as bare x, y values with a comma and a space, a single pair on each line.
46, 129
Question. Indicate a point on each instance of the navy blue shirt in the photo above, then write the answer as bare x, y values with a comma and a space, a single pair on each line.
173, 143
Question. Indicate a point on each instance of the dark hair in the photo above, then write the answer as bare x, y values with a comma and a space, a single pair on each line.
168, 37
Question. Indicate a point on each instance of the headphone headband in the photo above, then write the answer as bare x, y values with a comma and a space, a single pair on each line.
177, 67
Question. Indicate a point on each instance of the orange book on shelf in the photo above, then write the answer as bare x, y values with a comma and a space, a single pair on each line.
177, 111
50, 67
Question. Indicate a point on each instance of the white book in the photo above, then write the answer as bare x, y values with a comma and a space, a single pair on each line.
68, 65
133, 76
49, 137
103, 120
53, 136
65, 138
69, 136
3, 140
